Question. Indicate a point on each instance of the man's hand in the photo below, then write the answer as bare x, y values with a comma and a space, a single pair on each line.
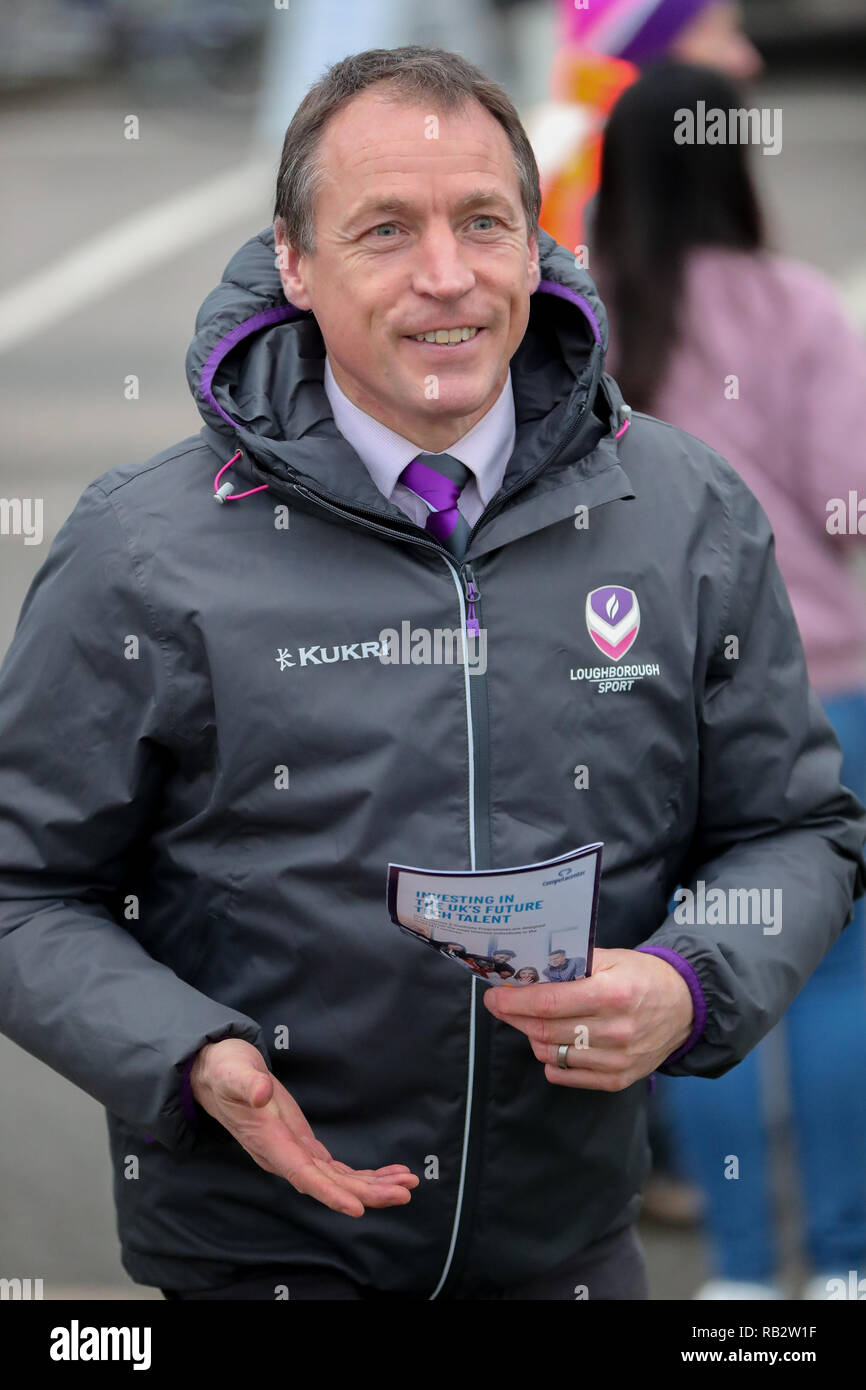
630, 1014
231, 1081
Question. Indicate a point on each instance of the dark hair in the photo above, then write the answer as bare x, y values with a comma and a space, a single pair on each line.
411, 74
657, 200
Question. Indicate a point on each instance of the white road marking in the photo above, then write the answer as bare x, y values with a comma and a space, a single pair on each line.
130, 248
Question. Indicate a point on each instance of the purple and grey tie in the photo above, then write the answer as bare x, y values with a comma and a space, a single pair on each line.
439, 479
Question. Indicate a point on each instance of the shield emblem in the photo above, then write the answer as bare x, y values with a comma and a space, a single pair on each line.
612, 619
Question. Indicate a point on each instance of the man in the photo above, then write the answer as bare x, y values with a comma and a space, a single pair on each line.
502, 962
206, 769
562, 967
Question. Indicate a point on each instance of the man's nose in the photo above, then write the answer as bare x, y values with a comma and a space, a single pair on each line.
441, 268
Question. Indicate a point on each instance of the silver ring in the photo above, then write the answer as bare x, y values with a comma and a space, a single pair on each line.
562, 1055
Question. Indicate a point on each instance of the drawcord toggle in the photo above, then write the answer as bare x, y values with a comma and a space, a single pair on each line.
227, 493
625, 416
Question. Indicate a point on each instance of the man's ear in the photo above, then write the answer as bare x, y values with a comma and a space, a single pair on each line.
534, 268
290, 266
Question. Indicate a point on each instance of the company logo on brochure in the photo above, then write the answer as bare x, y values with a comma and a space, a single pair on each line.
613, 619
564, 876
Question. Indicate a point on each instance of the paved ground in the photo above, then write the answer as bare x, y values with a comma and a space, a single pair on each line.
66, 175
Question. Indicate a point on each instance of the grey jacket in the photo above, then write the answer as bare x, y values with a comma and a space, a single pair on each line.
205, 769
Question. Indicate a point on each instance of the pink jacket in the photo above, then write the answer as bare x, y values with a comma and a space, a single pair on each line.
775, 331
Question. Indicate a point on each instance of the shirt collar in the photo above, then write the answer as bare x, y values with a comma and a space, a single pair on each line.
485, 449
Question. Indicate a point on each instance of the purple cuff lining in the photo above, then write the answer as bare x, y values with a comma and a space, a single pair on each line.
687, 970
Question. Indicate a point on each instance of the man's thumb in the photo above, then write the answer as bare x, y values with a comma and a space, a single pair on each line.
259, 1089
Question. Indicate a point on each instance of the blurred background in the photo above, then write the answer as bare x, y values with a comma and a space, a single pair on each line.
139, 149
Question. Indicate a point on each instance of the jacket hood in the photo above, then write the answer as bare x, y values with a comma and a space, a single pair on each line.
256, 363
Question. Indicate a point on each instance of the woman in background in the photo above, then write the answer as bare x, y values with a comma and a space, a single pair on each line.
754, 353
602, 47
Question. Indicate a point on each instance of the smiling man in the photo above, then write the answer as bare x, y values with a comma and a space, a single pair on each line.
204, 774
421, 260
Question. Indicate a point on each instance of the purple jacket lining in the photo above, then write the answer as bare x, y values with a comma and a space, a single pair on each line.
563, 292
221, 349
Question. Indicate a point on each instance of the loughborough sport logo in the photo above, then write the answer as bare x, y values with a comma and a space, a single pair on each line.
613, 619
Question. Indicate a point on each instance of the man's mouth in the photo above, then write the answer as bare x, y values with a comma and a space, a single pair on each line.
446, 337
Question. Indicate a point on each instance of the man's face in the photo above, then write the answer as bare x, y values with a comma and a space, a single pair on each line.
557, 958
416, 234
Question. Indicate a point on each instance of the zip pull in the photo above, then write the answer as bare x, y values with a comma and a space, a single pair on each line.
473, 594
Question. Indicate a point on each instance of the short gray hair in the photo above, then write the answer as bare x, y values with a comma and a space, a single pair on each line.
412, 74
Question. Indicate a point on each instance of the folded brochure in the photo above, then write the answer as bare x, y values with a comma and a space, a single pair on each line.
518, 926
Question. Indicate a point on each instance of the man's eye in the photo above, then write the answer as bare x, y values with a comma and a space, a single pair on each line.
386, 226
485, 217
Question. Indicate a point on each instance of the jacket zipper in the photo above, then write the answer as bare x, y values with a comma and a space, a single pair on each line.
477, 696
479, 1021
477, 1018
481, 1024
